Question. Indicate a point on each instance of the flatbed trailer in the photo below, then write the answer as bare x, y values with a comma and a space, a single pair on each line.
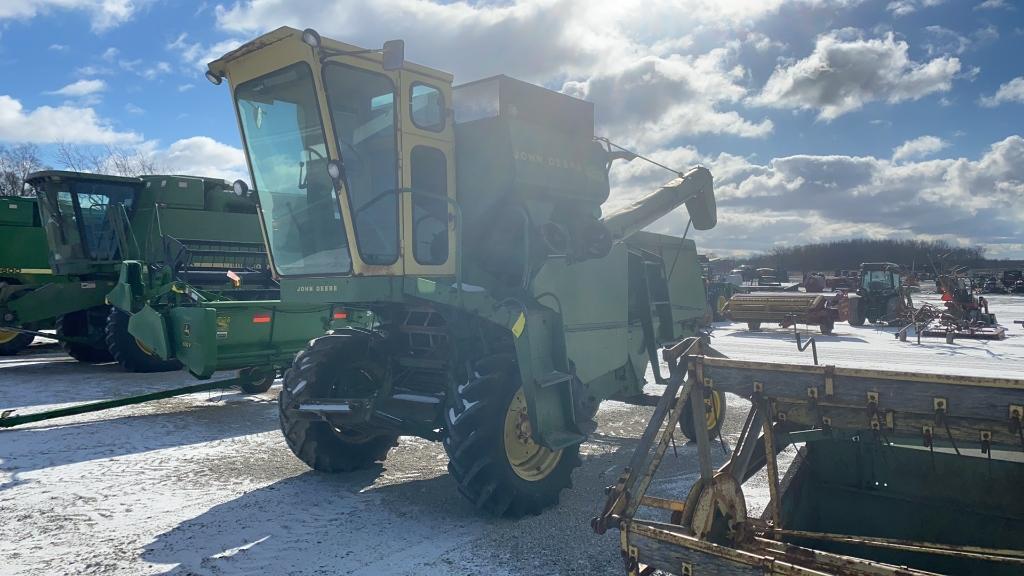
898, 474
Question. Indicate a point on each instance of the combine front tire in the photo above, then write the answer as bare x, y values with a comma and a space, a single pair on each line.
12, 342
87, 327
857, 314
131, 354
323, 370
714, 409
491, 452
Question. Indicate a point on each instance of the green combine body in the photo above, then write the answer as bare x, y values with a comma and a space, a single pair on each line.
487, 302
24, 264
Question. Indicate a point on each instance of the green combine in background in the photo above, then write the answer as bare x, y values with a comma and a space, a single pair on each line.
120, 248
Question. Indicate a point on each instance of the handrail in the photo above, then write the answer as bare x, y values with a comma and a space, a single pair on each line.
802, 346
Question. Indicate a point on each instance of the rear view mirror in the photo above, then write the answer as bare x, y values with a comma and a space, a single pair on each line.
394, 54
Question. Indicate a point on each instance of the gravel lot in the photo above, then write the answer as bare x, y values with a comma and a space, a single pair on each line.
204, 484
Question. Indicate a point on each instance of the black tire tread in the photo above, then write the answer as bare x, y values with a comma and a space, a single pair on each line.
19, 343
474, 443
314, 441
85, 353
125, 350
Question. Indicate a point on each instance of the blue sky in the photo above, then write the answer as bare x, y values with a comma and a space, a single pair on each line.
820, 118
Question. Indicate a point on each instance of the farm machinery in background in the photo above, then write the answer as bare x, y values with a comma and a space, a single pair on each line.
123, 248
719, 289
790, 308
882, 297
962, 315
895, 474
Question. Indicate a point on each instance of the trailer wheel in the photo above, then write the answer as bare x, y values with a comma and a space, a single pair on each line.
12, 342
827, 326
754, 326
131, 354
88, 326
327, 364
491, 452
253, 383
714, 408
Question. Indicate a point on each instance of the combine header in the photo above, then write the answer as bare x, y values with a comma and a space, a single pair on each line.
789, 308
898, 474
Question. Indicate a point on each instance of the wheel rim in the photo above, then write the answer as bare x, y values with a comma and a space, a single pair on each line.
7, 336
712, 410
145, 349
529, 460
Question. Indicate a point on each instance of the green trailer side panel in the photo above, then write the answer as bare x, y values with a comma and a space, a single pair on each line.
23, 248
229, 335
59, 297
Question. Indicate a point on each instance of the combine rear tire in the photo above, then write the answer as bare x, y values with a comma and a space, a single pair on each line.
87, 325
321, 370
12, 342
857, 314
491, 452
129, 352
715, 411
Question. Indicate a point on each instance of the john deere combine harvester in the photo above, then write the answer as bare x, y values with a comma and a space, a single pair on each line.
478, 294
123, 248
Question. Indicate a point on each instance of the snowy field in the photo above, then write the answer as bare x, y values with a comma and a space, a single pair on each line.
204, 484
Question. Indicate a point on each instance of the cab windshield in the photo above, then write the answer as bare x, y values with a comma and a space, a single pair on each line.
284, 137
362, 107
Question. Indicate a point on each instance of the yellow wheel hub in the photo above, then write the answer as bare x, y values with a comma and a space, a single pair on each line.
721, 302
529, 460
145, 349
712, 409
7, 336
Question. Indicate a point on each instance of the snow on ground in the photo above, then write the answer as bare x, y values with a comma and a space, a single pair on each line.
204, 484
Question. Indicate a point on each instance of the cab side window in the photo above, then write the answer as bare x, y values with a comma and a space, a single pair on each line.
426, 107
429, 206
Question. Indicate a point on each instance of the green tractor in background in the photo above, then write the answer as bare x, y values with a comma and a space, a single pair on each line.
24, 265
478, 294
881, 296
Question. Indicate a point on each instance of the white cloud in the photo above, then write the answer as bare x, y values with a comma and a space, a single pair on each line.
93, 71
81, 88
49, 124
1012, 91
103, 14
110, 54
200, 156
993, 5
185, 87
920, 147
846, 71
133, 109
198, 55
157, 69
904, 7
805, 198
59, 47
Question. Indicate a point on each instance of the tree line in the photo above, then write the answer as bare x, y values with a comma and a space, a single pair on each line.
922, 255
17, 161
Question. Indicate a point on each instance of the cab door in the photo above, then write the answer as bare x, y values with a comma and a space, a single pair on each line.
429, 236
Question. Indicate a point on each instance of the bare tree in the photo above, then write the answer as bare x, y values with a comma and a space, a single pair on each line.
116, 160
16, 163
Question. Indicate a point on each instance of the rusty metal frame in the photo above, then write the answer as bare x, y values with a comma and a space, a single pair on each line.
674, 547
